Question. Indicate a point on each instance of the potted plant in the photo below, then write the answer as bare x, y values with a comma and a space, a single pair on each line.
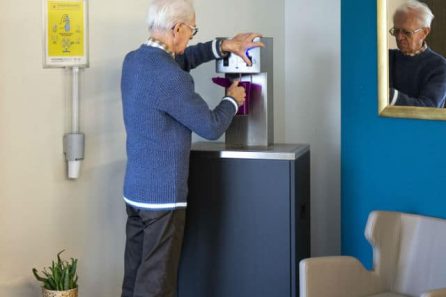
60, 279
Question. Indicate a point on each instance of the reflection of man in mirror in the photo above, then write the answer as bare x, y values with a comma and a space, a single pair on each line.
417, 73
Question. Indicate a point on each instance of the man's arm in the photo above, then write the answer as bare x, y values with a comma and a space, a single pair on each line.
204, 52
191, 110
432, 94
200, 53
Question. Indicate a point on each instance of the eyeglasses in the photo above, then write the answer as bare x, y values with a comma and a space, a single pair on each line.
396, 31
193, 28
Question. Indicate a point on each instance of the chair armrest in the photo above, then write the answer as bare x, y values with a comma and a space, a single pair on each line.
435, 293
340, 276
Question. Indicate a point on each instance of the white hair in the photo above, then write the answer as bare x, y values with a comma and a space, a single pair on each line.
424, 13
165, 14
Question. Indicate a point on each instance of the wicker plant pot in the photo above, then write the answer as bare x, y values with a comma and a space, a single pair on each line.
68, 293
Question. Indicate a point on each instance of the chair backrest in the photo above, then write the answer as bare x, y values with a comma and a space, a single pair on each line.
409, 251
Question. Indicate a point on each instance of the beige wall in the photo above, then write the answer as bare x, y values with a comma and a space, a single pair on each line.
313, 108
41, 212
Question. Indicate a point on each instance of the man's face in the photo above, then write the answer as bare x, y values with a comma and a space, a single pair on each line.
412, 40
183, 36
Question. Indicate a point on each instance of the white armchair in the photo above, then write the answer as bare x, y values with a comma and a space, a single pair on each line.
409, 259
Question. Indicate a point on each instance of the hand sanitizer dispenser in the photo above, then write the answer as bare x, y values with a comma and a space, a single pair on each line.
254, 123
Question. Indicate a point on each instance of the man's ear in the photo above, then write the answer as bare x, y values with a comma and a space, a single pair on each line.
426, 31
176, 28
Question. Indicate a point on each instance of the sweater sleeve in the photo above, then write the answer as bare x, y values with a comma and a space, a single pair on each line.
198, 54
432, 94
420, 82
187, 107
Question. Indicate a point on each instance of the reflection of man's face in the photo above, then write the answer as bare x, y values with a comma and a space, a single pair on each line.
408, 39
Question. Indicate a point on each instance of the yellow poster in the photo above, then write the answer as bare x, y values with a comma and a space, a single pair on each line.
66, 28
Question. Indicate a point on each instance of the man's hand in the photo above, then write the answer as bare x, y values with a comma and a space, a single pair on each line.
240, 43
237, 92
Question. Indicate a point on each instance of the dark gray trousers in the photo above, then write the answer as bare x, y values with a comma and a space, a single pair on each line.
152, 252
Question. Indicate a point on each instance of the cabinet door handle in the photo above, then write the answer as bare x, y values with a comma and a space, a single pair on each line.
303, 211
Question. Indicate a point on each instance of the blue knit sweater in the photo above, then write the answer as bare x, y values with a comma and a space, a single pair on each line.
161, 109
420, 80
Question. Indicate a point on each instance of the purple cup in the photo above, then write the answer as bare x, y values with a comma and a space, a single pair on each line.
251, 90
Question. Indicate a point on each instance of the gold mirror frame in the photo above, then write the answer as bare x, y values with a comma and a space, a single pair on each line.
384, 109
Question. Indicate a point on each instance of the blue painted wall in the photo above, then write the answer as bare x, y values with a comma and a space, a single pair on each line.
388, 164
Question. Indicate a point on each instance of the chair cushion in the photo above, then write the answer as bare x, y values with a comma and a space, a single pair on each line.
421, 262
388, 294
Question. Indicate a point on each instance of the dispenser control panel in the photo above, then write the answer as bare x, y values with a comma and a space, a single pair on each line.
235, 64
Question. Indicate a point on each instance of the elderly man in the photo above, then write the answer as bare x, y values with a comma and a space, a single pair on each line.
417, 73
161, 109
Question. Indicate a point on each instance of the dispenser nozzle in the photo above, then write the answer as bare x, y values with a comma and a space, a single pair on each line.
74, 152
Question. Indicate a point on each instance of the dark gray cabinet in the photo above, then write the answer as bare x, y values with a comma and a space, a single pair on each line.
248, 222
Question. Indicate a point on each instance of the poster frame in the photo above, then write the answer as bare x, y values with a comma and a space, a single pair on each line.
65, 61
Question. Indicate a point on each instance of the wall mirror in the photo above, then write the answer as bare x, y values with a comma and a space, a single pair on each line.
436, 40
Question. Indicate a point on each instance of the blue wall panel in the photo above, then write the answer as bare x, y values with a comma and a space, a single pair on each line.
387, 163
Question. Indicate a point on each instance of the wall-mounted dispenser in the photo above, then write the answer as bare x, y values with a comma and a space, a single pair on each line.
254, 123
74, 142
66, 46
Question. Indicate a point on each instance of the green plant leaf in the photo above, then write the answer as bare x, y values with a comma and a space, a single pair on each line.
60, 276
38, 277
58, 256
66, 284
51, 284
